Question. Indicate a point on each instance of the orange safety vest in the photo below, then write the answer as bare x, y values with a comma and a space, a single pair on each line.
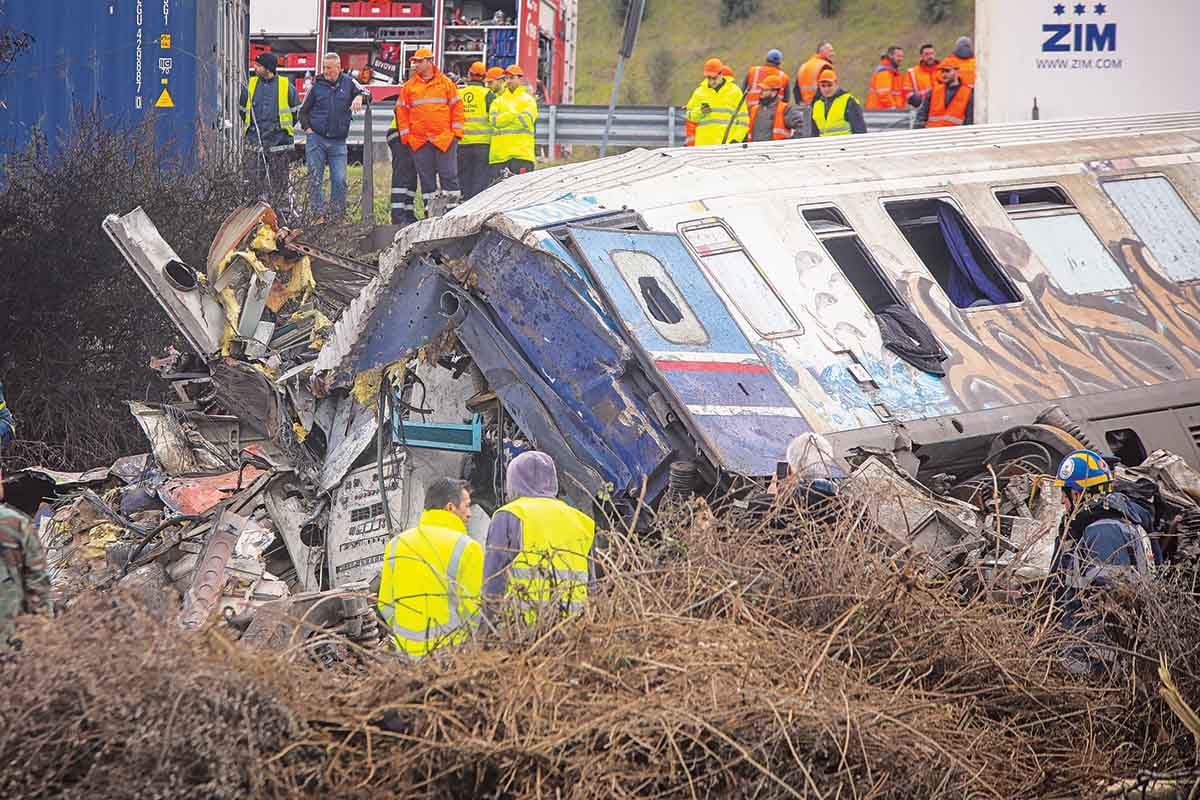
754, 79
429, 111
966, 68
885, 91
941, 116
689, 133
919, 80
806, 77
779, 130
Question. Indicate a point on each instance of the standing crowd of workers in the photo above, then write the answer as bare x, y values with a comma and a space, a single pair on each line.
449, 141
768, 105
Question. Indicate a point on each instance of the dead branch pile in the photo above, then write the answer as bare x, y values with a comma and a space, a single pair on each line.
730, 657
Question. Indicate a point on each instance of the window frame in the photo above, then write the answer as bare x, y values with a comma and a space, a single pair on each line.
969, 226
682, 229
1044, 213
688, 313
1143, 176
851, 232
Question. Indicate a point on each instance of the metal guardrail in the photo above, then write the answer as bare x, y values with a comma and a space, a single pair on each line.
633, 126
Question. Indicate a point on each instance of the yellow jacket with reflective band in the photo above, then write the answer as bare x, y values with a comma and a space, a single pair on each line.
479, 126
286, 120
723, 104
834, 123
514, 116
551, 571
430, 584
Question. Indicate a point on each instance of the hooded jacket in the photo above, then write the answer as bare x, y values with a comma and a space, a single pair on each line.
964, 57
531, 474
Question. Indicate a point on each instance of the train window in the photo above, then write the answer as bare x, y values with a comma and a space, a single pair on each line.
1162, 221
1062, 240
739, 277
659, 297
1125, 444
852, 258
952, 252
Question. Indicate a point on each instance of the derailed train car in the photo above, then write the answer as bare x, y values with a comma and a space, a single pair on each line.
927, 294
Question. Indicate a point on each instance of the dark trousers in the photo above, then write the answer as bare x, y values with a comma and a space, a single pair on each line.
268, 177
474, 172
516, 166
404, 183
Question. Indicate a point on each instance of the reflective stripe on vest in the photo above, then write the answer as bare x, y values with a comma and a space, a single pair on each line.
478, 129
551, 571
409, 568
286, 120
956, 114
833, 122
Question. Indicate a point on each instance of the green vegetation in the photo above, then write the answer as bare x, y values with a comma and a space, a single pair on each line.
678, 35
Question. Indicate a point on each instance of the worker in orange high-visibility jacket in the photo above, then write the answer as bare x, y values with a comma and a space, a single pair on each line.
963, 57
774, 118
806, 76
752, 86
920, 80
430, 120
886, 89
950, 104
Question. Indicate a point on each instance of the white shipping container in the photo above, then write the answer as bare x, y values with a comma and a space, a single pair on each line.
1084, 59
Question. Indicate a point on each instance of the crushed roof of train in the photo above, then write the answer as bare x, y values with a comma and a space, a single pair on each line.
655, 178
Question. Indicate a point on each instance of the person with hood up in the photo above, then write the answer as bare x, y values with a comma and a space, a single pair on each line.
835, 112
963, 57
1103, 541
539, 549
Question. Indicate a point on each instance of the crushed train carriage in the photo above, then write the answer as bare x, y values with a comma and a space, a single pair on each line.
927, 294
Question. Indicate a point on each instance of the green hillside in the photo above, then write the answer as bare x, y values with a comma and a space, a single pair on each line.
678, 35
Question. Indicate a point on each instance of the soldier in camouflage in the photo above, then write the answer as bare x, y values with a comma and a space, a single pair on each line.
24, 584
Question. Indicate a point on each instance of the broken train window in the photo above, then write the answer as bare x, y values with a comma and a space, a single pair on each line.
1162, 220
952, 251
1062, 239
902, 331
660, 299
730, 265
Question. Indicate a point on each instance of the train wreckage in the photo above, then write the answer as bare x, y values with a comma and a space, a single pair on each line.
954, 310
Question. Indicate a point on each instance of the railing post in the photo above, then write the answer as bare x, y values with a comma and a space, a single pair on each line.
553, 131
670, 126
368, 168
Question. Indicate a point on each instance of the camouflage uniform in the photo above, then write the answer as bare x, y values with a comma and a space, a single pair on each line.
24, 584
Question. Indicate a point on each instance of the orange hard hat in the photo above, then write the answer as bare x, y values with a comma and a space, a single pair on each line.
727, 71
515, 69
422, 52
477, 70
827, 75
772, 82
713, 67
948, 63
495, 72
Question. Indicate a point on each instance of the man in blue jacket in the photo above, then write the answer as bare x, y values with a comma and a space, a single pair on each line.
1104, 540
325, 118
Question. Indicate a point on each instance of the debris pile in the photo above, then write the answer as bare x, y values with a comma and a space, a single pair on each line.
727, 660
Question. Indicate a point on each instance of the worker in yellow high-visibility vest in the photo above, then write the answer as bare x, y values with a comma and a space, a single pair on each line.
473, 168
430, 582
268, 105
835, 112
539, 549
717, 108
514, 114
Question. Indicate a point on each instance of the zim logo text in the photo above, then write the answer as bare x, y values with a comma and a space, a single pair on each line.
1079, 37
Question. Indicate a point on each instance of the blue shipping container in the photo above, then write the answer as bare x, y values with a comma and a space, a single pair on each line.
179, 63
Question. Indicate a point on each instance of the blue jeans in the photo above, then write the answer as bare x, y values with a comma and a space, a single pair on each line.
319, 151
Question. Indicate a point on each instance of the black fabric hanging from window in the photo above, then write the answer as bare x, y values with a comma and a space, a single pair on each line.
906, 335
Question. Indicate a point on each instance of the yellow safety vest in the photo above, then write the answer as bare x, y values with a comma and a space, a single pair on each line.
514, 118
835, 124
551, 571
285, 110
723, 103
478, 128
430, 584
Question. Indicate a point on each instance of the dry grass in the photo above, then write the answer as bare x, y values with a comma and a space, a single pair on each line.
726, 657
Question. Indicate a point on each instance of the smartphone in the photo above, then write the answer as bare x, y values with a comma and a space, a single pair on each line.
781, 469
